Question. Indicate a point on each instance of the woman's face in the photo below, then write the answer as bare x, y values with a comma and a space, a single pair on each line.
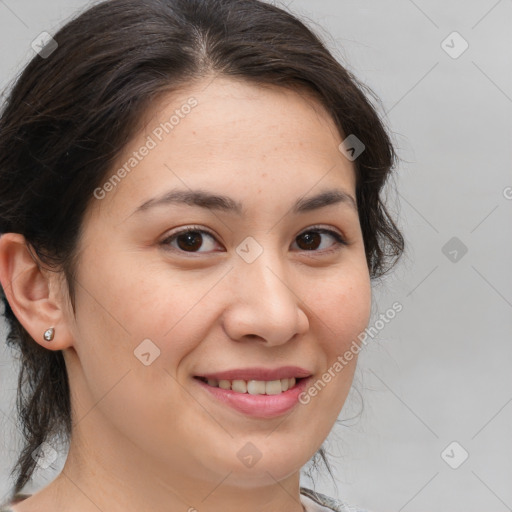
257, 279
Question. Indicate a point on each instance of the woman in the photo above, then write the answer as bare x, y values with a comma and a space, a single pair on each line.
191, 220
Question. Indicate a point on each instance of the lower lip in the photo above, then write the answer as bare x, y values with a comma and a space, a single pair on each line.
259, 406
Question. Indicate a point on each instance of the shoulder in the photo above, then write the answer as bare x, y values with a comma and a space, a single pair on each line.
15, 499
310, 495
326, 502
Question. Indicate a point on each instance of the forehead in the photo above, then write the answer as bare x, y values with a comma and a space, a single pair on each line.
229, 111
231, 134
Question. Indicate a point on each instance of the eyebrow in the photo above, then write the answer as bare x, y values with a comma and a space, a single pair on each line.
207, 200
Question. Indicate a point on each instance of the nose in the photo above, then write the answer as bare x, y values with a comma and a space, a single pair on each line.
264, 303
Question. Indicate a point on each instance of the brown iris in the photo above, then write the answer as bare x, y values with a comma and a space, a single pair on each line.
191, 240
310, 237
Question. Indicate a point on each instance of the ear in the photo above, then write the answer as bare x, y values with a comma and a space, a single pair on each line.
33, 292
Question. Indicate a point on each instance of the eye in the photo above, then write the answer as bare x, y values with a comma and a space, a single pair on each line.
311, 240
190, 239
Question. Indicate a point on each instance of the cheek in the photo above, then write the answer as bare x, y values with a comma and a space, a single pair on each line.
143, 299
171, 309
174, 307
343, 306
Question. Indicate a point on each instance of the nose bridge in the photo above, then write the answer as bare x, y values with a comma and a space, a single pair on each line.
264, 303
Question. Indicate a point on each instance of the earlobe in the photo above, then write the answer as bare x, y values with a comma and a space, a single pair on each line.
32, 294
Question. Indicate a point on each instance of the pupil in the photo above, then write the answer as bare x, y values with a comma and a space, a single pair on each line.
310, 240
192, 240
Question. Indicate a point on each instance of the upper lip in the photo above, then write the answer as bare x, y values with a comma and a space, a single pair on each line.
284, 372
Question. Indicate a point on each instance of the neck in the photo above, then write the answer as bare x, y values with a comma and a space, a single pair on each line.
108, 473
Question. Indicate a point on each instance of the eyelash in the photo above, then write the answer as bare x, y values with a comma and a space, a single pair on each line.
340, 240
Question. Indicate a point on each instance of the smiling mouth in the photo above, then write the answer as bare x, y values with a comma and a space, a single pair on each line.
253, 387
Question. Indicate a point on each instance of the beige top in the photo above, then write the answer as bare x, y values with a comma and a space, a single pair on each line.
312, 502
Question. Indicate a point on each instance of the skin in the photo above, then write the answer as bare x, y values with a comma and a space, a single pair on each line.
148, 437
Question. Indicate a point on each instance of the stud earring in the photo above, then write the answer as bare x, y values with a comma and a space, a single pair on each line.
48, 334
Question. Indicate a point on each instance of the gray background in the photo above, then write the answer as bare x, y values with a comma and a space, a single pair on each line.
440, 371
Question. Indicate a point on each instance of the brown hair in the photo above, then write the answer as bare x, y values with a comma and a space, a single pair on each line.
70, 114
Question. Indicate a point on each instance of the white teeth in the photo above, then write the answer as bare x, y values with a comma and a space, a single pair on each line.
273, 387
239, 385
224, 384
254, 387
